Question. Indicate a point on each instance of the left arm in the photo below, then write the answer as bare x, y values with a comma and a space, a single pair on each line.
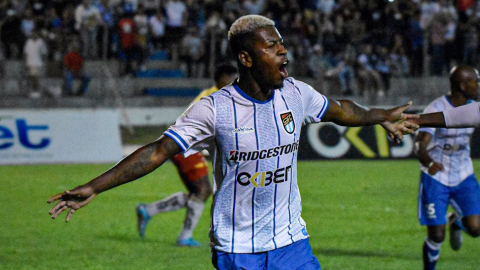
348, 113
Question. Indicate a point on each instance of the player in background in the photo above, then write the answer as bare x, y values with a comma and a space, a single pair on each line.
447, 175
251, 129
193, 171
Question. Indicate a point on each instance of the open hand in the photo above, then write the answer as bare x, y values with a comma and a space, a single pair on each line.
71, 201
397, 123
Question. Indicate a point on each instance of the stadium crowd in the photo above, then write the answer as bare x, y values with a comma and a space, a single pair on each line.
366, 40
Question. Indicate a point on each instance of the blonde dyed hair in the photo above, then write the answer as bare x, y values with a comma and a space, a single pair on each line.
248, 24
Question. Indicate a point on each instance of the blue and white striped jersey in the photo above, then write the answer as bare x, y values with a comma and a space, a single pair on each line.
451, 147
256, 205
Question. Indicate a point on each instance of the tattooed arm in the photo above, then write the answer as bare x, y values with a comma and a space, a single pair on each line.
348, 113
141, 162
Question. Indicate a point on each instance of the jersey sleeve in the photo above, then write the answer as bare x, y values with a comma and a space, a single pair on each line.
194, 129
315, 104
463, 116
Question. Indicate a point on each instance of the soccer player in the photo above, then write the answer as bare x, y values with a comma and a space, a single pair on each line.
193, 171
447, 172
252, 130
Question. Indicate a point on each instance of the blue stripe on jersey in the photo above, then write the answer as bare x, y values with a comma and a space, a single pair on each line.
236, 174
174, 136
324, 108
213, 100
278, 161
253, 195
275, 196
252, 99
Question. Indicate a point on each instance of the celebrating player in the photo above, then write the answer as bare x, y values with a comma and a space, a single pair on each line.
447, 172
193, 171
252, 130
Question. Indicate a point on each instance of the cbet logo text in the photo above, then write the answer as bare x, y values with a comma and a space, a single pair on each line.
24, 133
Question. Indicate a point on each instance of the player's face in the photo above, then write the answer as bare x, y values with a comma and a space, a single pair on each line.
473, 85
269, 67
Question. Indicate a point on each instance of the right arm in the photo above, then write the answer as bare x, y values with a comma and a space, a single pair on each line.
141, 162
459, 117
421, 143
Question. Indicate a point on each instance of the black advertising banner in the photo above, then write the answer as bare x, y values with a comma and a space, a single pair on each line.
330, 141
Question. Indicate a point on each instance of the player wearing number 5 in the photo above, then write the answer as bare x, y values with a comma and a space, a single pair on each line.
447, 172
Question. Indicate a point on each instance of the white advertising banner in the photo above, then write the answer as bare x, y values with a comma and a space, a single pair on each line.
59, 136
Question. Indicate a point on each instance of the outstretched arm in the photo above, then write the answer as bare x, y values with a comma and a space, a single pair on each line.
348, 113
141, 162
459, 117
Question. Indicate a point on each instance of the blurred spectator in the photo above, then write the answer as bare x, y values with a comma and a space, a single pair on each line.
12, 36
216, 40
129, 45
399, 61
355, 29
368, 77
254, 6
382, 65
54, 36
73, 69
35, 51
438, 30
157, 29
88, 20
28, 22
141, 21
326, 68
192, 51
68, 22
233, 6
469, 28
318, 64
428, 9
326, 6
194, 15
130, 6
151, 6
176, 19
107, 29
415, 35
38, 7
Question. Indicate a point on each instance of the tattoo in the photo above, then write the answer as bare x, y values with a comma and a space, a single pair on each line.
136, 165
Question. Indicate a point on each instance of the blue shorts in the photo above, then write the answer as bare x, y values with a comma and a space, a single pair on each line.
297, 256
434, 198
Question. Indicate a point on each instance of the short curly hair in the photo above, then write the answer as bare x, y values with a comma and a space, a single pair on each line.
241, 32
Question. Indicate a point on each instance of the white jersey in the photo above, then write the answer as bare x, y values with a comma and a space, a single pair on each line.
256, 205
451, 147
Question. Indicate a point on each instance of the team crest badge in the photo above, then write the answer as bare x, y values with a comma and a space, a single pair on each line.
288, 123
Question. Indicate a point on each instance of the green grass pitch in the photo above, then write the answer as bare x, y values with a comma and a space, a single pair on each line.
359, 214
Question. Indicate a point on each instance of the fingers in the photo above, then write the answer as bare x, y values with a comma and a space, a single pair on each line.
411, 116
406, 106
69, 215
58, 209
56, 197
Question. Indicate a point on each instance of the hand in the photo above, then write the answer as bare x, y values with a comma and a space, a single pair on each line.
73, 200
435, 167
397, 122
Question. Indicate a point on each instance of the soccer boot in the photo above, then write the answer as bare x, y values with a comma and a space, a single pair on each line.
456, 238
189, 242
142, 219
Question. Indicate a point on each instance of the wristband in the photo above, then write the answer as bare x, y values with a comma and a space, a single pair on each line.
430, 164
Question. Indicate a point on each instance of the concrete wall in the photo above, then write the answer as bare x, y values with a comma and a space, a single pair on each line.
115, 91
